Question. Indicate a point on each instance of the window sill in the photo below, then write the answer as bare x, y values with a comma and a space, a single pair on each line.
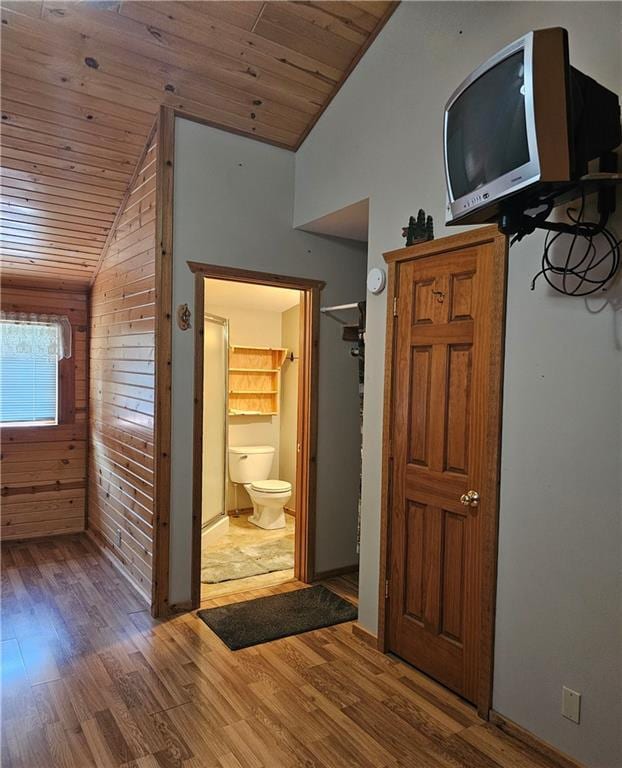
43, 433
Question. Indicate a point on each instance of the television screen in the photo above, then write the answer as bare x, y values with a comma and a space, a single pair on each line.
486, 128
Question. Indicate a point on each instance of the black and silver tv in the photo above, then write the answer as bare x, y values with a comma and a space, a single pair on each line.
523, 126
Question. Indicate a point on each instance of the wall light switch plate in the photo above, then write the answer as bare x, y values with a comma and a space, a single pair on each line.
571, 704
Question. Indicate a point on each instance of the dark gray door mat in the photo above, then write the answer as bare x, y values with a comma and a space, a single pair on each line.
252, 622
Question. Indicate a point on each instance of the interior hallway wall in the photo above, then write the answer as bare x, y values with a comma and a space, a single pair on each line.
290, 339
233, 206
559, 585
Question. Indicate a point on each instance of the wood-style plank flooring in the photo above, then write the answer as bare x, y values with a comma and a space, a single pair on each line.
89, 679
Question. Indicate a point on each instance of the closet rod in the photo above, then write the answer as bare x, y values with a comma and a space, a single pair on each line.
339, 307
330, 311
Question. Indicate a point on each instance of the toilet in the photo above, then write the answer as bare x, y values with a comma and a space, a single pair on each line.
250, 466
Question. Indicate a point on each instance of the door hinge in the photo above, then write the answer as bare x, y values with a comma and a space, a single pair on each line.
395, 306
386, 589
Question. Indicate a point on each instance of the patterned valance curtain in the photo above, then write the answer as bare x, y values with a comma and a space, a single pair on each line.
30, 335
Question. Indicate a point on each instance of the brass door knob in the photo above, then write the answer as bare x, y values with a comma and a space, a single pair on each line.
470, 499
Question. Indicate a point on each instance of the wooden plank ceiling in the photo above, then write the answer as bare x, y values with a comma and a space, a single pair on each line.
82, 83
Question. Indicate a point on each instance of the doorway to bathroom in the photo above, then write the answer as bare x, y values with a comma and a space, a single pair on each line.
254, 430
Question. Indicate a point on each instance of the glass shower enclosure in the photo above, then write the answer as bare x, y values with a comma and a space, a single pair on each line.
215, 419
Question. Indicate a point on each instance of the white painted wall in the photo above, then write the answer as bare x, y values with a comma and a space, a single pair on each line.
233, 206
559, 609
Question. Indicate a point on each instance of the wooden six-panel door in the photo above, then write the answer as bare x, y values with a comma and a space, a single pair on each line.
447, 372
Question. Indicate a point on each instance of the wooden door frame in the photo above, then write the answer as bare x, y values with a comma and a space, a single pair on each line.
394, 259
306, 462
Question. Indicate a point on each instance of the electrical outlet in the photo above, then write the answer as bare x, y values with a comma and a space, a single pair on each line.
119, 536
571, 704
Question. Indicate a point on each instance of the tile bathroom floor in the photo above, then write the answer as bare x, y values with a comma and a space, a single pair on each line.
242, 533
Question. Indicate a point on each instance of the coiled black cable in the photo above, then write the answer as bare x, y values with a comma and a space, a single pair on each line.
578, 273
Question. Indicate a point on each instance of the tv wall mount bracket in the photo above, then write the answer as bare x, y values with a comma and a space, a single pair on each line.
577, 266
517, 222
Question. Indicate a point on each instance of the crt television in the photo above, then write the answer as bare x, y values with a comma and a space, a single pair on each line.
523, 126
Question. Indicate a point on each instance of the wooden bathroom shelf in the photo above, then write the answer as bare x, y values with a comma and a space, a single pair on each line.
254, 370
253, 392
255, 380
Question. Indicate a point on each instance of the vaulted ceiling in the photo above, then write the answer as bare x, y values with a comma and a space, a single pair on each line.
82, 83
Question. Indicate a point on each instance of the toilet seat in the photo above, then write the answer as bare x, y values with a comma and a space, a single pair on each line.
271, 486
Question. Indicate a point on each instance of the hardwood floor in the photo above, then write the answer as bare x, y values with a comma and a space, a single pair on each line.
90, 679
347, 586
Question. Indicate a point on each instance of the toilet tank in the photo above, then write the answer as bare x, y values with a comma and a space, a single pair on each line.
248, 463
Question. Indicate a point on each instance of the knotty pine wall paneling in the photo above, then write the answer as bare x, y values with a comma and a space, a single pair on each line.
44, 468
121, 397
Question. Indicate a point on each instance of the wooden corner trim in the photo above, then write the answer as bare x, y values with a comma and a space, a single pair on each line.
163, 354
386, 468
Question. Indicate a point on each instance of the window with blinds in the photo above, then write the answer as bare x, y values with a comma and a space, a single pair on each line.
28, 373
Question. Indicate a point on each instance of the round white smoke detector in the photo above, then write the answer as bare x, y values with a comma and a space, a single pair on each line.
376, 280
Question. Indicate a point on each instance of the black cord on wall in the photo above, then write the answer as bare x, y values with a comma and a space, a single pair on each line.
591, 259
